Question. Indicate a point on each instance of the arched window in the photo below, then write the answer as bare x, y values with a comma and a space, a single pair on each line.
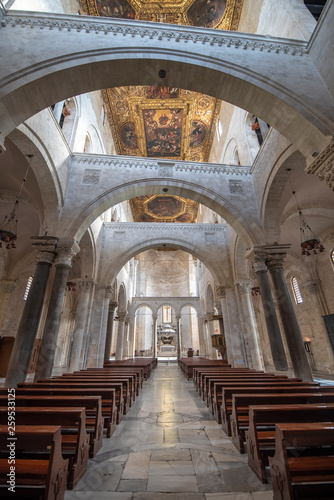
332, 257
27, 288
296, 291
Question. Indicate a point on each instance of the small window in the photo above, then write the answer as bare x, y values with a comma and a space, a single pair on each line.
219, 129
167, 314
27, 288
103, 114
332, 257
296, 291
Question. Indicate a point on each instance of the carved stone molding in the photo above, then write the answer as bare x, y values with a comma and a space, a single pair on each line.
221, 292
84, 286
112, 306
66, 249
156, 226
323, 165
121, 315
243, 287
166, 169
155, 32
275, 262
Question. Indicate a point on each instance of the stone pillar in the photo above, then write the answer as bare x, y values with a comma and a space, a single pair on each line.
178, 336
98, 326
275, 258
249, 326
233, 332
120, 336
154, 334
221, 293
132, 321
110, 327
66, 250
209, 326
200, 321
126, 338
6, 312
27, 331
274, 333
81, 321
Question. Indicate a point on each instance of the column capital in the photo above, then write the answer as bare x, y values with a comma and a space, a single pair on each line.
275, 261
122, 315
244, 286
112, 306
257, 255
155, 317
45, 247
84, 285
221, 292
66, 249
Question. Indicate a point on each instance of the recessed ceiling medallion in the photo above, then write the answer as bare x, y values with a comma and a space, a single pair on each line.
163, 208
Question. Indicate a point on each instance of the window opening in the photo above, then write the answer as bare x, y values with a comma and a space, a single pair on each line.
26, 293
296, 291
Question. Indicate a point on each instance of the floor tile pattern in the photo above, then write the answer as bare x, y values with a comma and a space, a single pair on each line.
169, 447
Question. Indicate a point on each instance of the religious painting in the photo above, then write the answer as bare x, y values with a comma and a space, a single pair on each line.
164, 206
128, 134
147, 218
163, 132
184, 218
115, 8
197, 134
206, 13
166, 314
161, 92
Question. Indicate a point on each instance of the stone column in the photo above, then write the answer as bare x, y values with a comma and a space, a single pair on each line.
98, 326
209, 326
274, 333
221, 293
233, 332
249, 326
274, 261
126, 338
132, 321
6, 312
81, 321
66, 250
110, 327
154, 334
27, 331
200, 321
178, 336
120, 336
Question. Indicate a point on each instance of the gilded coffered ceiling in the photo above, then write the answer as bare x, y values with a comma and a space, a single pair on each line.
161, 121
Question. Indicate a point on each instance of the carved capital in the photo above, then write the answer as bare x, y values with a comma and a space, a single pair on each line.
108, 292
275, 262
66, 249
121, 315
45, 247
112, 306
323, 165
244, 287
84, 286
221, 292
257, 256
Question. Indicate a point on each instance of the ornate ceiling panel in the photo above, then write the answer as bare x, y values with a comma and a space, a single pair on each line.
163, 208
220, 14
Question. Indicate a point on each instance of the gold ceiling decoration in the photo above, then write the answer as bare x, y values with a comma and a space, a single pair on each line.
163, 208
162, 122
219, 14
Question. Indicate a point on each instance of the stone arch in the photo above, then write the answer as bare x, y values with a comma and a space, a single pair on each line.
76, 68
209, 299
122, 298
231, 153
248, 230
189, 327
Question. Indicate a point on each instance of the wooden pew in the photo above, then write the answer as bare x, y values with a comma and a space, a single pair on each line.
109, 410
222, 404
138, 375
260, 436
303, 465
75, 440
241, 403
40, 470
117, 387
188, 364
92, 404
148, 364
199, 373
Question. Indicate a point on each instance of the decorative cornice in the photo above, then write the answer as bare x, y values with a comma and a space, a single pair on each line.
99, 161
155, 31
166, 227
323, 166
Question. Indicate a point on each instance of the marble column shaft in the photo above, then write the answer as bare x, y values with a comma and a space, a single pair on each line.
27, 331
120, 336
200, 322
66, 250
98, 327
110, 327
249, 324
81, 321
274, 333
154, 333
132, 322
290, 324
234, 339
178, 336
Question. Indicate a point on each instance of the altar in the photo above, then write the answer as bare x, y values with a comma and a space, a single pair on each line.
167, 349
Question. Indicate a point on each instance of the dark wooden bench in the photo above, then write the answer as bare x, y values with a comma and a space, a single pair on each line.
117, 387
40, 470
75, 440
260, 437
109, 410
222, 404
137, 375
242, 402
199, 373
303, 464
148, 365
92, 404
188, 364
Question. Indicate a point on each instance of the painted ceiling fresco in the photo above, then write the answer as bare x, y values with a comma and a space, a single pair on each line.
160, 121
220, 14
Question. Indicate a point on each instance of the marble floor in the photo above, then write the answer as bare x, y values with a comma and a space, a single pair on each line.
169, 447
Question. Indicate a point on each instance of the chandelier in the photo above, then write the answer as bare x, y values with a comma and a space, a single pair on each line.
309, 241
8, 227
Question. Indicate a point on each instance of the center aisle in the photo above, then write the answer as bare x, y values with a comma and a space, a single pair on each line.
169, 447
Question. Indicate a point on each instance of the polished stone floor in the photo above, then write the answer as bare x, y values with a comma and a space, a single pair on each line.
169, 447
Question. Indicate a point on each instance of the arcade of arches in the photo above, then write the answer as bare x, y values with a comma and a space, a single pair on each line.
160, 174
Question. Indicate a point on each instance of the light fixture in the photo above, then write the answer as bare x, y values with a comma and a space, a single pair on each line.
309, 241
8, 227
